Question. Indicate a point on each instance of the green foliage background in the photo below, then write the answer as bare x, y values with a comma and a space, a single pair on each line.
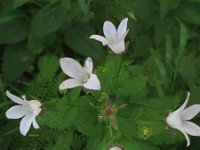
143, 85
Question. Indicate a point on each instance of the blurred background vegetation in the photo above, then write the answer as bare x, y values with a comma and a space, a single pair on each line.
163, 40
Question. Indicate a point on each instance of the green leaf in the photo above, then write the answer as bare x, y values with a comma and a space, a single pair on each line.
145, 10
14, 30
142, 45
45, 84
190, 70
2, 93
77, 37
35, 45
166, 5
62, 143
131, 86
87, 120
64, 113
18, 3
96, 143
196, 1
84, 5
190, 12
126, 126
47, 20
16, 60
181, 50
128, 144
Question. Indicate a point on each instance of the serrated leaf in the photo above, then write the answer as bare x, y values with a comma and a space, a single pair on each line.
64, 114
45, 84
87, 120
47, 20
14, 30
62, 143
16, 60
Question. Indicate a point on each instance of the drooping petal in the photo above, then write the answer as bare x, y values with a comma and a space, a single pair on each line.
89, 65
93, 83
190, 112
99, 38
117, 47
110, 31
14, 98
25, 124
72, 68
186, 137
122, 27
69, 83
191, 128
35, 124
17, 112
184, 104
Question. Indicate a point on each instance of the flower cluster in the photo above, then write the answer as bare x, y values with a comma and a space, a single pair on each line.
84, 76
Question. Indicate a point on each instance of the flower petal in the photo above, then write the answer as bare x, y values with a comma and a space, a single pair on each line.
69, 83
190, 112
17, 112
37, 111
123, 35
25, 124
115, 148
109, 31
14, 98
186, 137
93, 83
122, 27
191, 128
184, 104
34, 104
72, 68
35, 124
117, 47
99, 38
89, 65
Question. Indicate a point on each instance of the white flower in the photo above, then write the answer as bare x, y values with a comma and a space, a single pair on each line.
26, 109
115, 148
179, 119
80, 76
113, 38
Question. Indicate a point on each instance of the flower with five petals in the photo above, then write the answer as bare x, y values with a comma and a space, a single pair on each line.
179, 119
80, 76
26, 109
114, 38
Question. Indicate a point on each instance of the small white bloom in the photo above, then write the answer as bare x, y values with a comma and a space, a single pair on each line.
179, 119
80, 76
113, 38
26, 109
115, 148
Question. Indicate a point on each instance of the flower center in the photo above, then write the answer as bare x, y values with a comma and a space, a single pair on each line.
174, 120
86, 78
